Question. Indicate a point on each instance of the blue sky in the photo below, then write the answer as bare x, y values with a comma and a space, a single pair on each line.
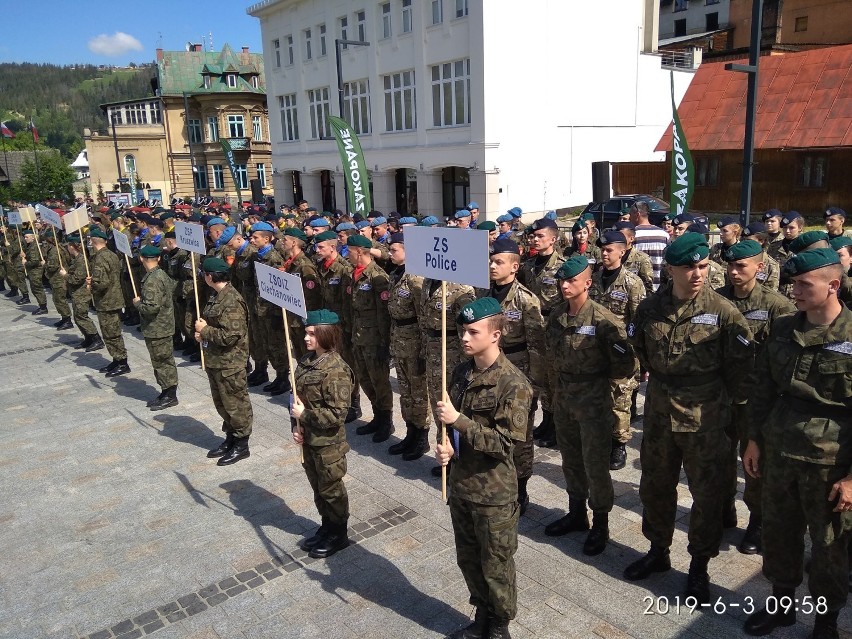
100, 32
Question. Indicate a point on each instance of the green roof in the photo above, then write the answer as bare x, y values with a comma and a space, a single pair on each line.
183, 71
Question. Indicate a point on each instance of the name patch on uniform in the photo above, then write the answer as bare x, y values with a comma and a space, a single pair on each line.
403, 292
548, 280
757, 315
334, 281
618, 295
585, 330
366, 286
761, 276
707, 318
514, 315
839, 347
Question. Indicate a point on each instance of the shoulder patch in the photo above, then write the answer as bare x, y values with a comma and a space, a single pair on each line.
512, 314
310, 284
710, 319
743, 339
334, 281
631, 329
618, 295
385, 295
619, 348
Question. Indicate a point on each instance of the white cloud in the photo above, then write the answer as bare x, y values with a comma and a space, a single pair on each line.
116, 44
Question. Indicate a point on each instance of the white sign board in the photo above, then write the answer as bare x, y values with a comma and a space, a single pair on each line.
50, 216
27, 214
122, 243
190, 237
76, 219
15, 217
280, 288
450, 254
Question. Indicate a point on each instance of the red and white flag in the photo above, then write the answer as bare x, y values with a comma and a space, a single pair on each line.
35, 132
6, 131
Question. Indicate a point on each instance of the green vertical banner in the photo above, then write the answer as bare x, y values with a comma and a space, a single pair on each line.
229, 155
682, 183
354, 166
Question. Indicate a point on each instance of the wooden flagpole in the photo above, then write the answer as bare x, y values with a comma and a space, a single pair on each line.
56, 244
291, 373
23, 254
195, 290
444, 380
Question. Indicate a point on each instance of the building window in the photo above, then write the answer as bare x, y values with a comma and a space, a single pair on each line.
135, 114
236, 126
343, 22
207, 82
801, 24
261, 175
321, 30
356, 105
194, 127
386, 20
680, 27
406, 16
200, 176
399, 101
256, 128
218, 177
154, 108
276, 46
212, 129
318, 107
309, 54
810, 171
242, 176
361, 20
255, 82
232, 80
707, 171
461, 8
290, 55
437, 11
711, 21
680, 5
289, 119
451, 93
115, 115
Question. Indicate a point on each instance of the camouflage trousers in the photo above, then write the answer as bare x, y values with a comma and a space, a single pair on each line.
523, 453
127, 289
3, 270
110, 322
257, 347
272, 335
60, 295
35, 276
349, 357
486, 540
738, 434
161, 351
413, 397
432, 354
325, 467
374, 377
13, 276
582, 416
180, 318
703, 456
80, 306
795, 499
231, 399
622, 401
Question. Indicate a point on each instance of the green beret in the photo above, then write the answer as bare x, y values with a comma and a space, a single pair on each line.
743, 249
840, 241
670, 216
478, 310
688, 249
27, 231
150, 251
806, 239
325, 236
810, 260
167, 215
322, 316
115, 215
299, 234
572, 267
586, 216
215, 265
578, 226
289, 216
97, 232
74, 238
360, 241
488, 225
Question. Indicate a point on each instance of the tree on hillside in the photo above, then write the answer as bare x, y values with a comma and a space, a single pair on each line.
53, 178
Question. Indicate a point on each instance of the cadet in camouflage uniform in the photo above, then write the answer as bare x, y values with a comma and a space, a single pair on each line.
493, 399
620, 292
106, 293
366, 309
760, 306
75, 278
791, 226
222, 332
16, 256
699, 352
175, 258
296, 262
407, 352
157, 313
634, 260
55, 258
33, 260
587, 353
770, 273
583, 244
538, 274
323, 390
522, 342
11, 254
729, 234
800, 445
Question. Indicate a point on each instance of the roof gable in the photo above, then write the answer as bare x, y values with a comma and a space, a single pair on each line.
183, 71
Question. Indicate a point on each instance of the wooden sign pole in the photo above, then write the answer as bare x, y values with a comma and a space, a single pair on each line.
292, 373
56, 244
444, 380
197, 306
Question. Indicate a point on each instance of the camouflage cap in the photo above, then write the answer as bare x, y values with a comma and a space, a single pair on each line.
805, 240
810, 260
688, 249
215, 265
572, 267
479, 310
742, 250
150, 251
320, 317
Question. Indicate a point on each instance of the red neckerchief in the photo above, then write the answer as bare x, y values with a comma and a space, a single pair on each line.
581, 248
357, 273
286, 264
327, 264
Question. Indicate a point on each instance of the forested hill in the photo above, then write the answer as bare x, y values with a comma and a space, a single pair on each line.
64, 100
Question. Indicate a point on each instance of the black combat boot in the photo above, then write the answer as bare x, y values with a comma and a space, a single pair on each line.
222, 448
386, 428
259, 375
498, 628
419, 446
577, 519
618, 456
96, 344
763, 622
698, 581
825, 626
177, 342
476, 630
523, 495
109, 367
156, 400
168, 399
133, 318
336, 539
25, 299
751, 542
2, 285
121, 369
402, 445
547, 432
240, 450
371, 426
13, 292
311, 542
282, 384
41, 310
545, 426
658, 559
57, 324
87, 340
354, 411
65, 324
729, 514
598, 535
189, 347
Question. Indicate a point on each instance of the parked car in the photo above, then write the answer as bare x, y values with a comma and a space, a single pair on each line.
607, 213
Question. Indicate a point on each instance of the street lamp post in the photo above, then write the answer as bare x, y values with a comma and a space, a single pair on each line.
338, 45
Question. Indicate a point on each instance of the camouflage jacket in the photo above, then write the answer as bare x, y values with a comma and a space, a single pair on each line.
845, 290
716, 275
76, 278
225, 338
494, 406
366, 306
106, 288
243, 272
430, 310
156, 308
333, 284
542, 282
760, 309
304, 267
405, 291
175, 262
274, 259
622, 297
55, 258
638, 263
770, 276
34, 258
803, 407
717, 254
189, 276
592, 254
324, 384
700, 355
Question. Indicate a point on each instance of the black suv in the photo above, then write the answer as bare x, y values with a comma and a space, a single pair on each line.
608, 212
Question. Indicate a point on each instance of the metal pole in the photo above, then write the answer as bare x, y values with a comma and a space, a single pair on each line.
6, 157
338, 43
35, 157
115, 144
193, 168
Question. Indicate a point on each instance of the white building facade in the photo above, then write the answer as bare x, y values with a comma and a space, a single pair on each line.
680, 18
463, 100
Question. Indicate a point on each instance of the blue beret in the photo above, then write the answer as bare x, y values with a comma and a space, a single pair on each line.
322, 316
505, 246
550, 215
472, 205
612, 237
810, 260
319, 222
572, 267
345, 226
505, 218
624, 226
362, 224
727, 221
397, 238
835, 210
429, 220
228, 234
805, 240
515, 212
688, 249
790, 216
213, 221
743, 249
408, 220
754, 227
479, 310
462, 213
262, 226
378, 220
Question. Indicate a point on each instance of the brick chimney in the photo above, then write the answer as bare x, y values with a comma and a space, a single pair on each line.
196, 47
245, 49
159, 55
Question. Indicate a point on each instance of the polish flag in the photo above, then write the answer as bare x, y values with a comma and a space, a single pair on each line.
6, 131
35, 132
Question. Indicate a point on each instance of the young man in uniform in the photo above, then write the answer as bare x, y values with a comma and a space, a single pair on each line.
34, 263
75, 278
835, 218
106, 292
296, 262
55, 258
493, 399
